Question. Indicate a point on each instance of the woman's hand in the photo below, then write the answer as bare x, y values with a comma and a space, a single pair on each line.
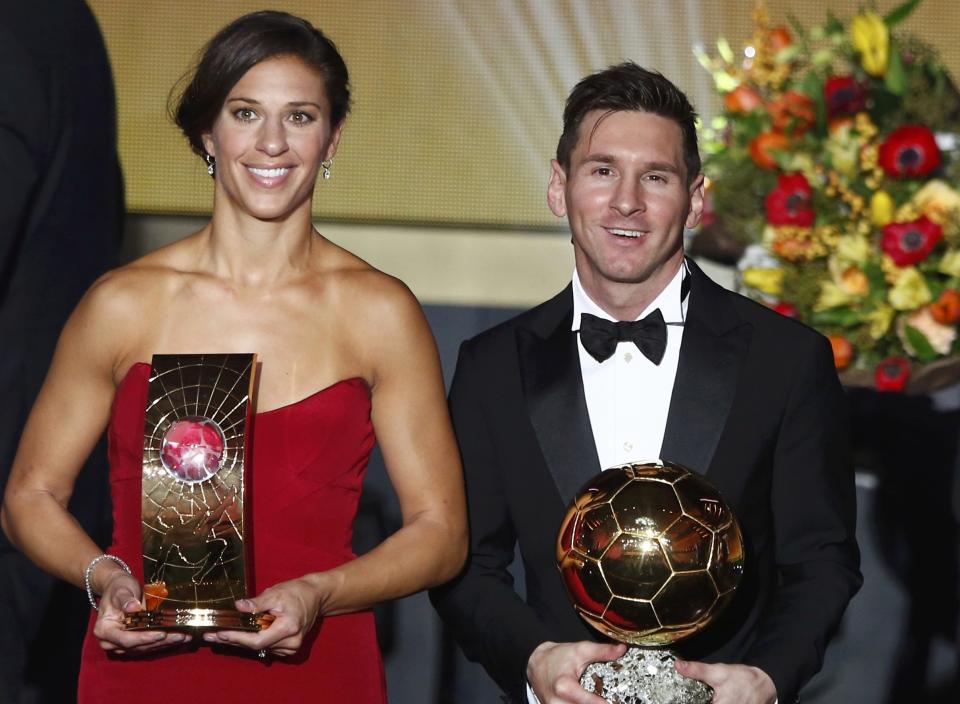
295, 606
121, 596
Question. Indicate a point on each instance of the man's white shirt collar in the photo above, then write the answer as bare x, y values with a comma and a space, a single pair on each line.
668, 301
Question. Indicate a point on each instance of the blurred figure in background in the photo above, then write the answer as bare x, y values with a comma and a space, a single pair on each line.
61, 210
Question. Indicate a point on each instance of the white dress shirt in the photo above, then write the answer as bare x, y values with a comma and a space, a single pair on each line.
628, 396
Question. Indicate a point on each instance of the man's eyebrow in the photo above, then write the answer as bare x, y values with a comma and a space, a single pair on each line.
600, 158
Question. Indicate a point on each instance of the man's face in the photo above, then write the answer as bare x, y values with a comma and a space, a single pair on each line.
627, 198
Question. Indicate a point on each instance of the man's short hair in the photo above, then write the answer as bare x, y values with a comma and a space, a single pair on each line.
628, 86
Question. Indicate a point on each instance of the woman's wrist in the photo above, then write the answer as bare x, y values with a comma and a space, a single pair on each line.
100, 572
325, 586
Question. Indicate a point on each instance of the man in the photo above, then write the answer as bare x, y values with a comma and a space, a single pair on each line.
61, 208
715, 382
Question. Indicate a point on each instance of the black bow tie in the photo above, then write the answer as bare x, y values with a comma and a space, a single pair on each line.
600, 336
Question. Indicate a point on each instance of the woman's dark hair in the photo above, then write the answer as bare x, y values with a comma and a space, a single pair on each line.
628, 86
243, 44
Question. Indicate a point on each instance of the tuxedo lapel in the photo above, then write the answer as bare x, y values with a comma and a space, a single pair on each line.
553, 389
715, 343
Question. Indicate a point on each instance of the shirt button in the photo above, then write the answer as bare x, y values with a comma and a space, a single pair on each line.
627, 446
627, 357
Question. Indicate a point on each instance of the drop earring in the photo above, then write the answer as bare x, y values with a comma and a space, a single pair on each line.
211, 164
326, 168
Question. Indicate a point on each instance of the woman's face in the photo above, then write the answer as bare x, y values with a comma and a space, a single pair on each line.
270, 138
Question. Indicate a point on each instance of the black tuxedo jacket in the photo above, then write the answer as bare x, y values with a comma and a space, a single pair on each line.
61, 197
756, 407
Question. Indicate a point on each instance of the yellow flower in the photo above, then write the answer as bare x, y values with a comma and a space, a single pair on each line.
844, 152
871, 38
938, 202
909, 291
879, 320
831, 296
854, 249
881, 208
950, 263
939, 336
804, 163
766, 280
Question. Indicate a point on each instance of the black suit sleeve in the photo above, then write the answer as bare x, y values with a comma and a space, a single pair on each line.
814, 513
22, 115
489, 620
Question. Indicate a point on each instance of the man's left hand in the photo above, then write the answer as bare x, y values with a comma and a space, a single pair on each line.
732, 684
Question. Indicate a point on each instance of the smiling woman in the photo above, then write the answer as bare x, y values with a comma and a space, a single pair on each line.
265, 109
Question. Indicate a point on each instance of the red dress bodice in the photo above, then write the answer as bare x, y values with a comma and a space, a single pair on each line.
308, 460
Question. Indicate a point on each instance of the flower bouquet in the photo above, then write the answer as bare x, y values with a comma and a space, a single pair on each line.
833, 169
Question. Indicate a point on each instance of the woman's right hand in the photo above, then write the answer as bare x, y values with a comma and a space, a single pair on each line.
121, 595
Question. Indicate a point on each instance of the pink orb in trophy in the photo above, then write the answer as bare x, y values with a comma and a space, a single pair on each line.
192, 449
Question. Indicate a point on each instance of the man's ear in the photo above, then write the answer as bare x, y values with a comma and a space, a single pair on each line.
696, 202
556, 189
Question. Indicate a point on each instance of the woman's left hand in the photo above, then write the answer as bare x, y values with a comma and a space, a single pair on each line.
295, 606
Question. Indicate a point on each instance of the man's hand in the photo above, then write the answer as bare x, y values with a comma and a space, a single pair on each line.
732, 684
554, 670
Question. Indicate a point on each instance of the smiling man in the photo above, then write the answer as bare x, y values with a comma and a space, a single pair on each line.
643, 357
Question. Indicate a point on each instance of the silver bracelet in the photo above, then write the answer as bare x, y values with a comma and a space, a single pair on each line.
89, 571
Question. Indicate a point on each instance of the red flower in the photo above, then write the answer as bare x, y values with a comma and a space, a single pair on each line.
910, 242
843, 95
910, 150
892, 374
788, 309
789, 203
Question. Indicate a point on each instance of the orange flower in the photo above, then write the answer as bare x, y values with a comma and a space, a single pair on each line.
946, 309
742, 99
155, 594
762, 146
793, 249
842, 351
838, 123
780, 38
792, 113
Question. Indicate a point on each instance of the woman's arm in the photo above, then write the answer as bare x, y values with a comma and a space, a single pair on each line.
413, 428
66, 421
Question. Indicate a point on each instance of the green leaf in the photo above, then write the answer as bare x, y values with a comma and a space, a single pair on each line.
798, 27
900, 13
920, 344
723, 48
833, 25
842, 317
896, 78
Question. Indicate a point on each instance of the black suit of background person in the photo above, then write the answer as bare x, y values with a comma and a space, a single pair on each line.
756, 407
60, 225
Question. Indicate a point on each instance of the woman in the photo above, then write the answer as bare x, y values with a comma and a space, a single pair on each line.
265, 110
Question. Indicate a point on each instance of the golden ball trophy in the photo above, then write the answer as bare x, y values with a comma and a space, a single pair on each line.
649, 553
194, 492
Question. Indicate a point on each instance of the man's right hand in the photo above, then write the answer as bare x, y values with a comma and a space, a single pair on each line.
554, 670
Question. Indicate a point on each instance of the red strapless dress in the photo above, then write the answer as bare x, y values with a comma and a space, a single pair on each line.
308, 462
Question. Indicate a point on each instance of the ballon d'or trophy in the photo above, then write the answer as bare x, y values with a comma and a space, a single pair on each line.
193, 493
649, 553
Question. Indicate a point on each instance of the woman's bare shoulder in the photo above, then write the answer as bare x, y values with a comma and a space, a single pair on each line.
368, 292
125, 300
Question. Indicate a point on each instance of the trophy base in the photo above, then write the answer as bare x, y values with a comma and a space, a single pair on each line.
196, 620
644, 676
